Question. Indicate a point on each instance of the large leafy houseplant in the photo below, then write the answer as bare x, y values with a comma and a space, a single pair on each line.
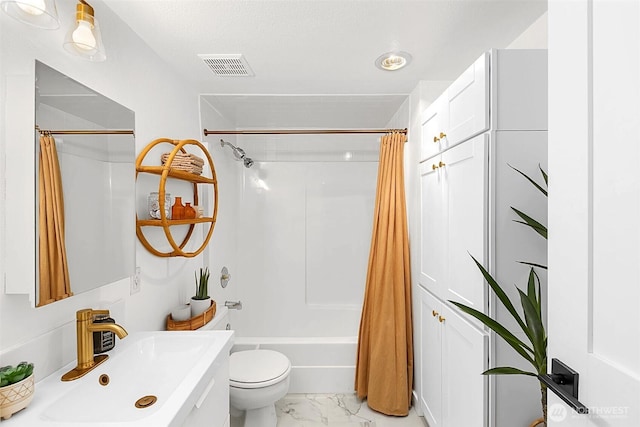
534, 348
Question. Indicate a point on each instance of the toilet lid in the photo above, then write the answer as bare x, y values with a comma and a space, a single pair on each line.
257, 368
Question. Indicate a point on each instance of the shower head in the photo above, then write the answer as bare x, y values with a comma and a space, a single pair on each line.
238, 153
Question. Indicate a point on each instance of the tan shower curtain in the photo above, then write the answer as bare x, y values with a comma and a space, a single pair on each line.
384, 369
54, 273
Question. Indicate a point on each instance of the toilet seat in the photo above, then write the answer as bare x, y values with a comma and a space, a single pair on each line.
257, 368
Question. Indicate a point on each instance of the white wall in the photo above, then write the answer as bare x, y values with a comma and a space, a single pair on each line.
165, 106
534, 37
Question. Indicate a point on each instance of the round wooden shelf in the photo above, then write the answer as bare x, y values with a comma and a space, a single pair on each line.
164, 172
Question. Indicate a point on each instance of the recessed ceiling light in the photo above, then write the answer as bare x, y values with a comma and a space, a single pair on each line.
392, 61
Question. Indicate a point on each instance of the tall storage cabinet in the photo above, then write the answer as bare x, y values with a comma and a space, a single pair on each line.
493, 116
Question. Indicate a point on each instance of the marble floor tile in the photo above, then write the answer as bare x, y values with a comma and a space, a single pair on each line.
339, 410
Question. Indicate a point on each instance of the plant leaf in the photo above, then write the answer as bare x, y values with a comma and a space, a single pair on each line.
507, 370
531, 287
534, 322
535, 184
501, 294
533, 264
538, 297
511, 339
544, 175
539, 228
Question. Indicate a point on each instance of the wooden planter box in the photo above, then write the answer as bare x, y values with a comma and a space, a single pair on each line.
193, 323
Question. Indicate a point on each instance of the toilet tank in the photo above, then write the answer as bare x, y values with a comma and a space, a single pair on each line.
220, 321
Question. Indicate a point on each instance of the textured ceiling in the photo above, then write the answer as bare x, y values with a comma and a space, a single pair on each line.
325, 47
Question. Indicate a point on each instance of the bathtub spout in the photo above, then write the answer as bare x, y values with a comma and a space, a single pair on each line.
233, 305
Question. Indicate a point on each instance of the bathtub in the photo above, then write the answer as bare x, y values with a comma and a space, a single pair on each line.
318, 365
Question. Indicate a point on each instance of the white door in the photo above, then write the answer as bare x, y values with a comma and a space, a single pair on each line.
467, 103
594, 207
430, 359
466, 175
464, 358
434, 122
433, 225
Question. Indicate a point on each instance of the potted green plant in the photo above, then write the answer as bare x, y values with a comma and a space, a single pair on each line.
531, 321
201, 301
16, 388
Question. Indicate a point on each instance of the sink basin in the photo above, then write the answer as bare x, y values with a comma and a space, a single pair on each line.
176, 368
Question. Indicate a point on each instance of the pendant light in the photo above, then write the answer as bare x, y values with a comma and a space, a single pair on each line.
83, 38
39, 13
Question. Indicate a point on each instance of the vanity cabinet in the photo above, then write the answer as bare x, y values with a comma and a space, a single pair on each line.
212, 408
493, 116
164, 173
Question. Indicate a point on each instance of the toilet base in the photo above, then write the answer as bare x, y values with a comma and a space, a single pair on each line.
260, 417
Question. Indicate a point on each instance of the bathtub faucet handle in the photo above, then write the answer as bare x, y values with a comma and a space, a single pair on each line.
233, 305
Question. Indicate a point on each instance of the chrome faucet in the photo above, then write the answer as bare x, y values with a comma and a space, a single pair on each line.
233, 305
85, 327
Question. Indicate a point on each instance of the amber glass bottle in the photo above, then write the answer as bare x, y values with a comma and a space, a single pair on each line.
189, 211
177, 210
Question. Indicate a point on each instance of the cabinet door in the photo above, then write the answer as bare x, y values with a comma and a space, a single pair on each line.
464, 358
430, 359
468, 103
433, 225
434, 120
466, 174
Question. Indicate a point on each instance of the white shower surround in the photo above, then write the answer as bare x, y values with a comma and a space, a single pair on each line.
304, 231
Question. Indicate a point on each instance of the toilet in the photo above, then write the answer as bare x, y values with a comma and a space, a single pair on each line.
257, 379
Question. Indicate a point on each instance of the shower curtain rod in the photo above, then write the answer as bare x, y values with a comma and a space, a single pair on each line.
86, 132
300, 131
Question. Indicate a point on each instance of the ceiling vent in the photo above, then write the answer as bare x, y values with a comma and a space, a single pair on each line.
233, 65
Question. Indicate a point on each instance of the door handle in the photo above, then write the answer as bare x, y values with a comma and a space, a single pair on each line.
563, 381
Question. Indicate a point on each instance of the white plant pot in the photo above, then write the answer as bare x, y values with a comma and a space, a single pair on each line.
15, 397
181, 313
199, 306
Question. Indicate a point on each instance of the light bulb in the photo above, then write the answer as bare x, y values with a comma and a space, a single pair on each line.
32, 7
83, 36
393, 62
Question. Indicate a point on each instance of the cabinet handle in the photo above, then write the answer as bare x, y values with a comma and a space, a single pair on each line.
434, 313
436, 139
441, 319
441, 164
442, 135
434, 166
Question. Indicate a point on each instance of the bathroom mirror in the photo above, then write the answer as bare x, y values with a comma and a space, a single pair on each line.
97, 172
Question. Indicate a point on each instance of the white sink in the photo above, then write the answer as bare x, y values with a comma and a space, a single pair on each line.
175, 367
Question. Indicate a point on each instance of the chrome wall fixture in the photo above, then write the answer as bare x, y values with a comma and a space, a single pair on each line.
238, 153
224, 277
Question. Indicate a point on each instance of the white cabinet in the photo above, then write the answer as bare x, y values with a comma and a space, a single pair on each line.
433, 215
453, 213
452, 387
431, 351
459, 113
434, 123
492, 116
